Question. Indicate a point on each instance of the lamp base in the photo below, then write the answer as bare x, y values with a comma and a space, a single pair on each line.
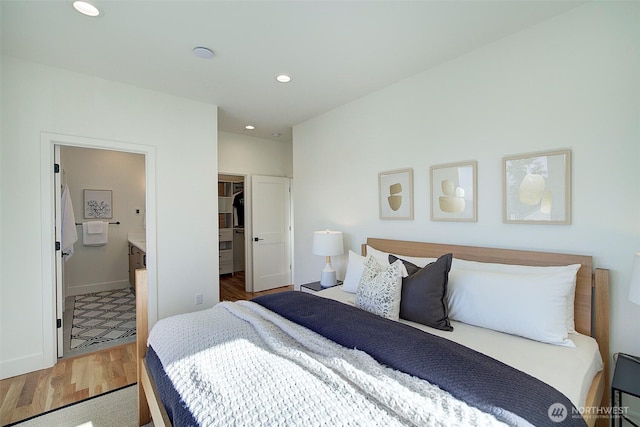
328, 278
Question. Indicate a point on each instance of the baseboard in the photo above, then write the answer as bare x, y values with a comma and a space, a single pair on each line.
22, 365
97, 287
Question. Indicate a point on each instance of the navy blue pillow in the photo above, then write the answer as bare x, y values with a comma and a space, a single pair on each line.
424, 293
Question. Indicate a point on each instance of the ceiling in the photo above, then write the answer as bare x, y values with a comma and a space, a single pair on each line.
335, 51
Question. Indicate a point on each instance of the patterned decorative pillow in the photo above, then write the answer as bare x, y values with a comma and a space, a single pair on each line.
380, 289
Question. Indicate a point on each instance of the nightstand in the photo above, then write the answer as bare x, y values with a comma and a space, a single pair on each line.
626, 380
314, 287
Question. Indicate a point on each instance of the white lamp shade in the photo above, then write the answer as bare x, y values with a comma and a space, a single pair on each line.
634, 287
328, 243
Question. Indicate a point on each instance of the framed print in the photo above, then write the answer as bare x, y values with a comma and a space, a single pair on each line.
98, 204
537, 188
454, 192
395, 189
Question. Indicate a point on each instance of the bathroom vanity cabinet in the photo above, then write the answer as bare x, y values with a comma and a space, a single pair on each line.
137, 259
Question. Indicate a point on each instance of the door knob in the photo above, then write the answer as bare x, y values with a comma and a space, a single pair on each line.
255, 239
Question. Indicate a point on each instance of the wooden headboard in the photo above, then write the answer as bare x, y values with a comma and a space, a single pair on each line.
592, 287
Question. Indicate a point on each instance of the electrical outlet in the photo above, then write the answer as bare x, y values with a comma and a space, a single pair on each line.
198, 299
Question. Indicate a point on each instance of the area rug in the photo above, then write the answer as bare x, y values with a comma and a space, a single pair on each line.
115, 408
102, 317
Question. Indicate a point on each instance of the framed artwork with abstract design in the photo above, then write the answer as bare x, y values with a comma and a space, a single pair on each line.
454, 192
98, 204
395, 189
537, 188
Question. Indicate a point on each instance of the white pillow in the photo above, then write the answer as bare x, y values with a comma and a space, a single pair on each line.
529, 269
529, 305
383, 258
417, 261
380, 289
355, 267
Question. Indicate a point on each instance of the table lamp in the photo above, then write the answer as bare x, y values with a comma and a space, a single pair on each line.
328, 243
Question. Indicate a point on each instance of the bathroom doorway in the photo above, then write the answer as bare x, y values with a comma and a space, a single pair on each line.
51, 258
96, 296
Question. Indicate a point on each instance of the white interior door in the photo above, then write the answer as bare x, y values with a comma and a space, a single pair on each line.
57, 197
271, 227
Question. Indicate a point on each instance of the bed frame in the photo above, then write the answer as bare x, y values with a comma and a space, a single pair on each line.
591, 312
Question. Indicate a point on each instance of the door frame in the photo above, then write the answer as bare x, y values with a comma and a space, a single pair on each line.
248, 228
59, 262
48, 253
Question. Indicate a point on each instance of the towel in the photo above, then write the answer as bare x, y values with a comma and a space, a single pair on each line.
68, 228
95, 233
95, 227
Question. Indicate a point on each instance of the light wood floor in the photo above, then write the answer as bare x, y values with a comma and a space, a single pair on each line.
78, 378
69, 381
232, 288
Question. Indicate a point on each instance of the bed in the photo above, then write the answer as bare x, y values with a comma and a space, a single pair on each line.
320, 360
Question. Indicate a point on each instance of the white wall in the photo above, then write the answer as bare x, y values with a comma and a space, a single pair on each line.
571, 82
98, 268
181, 133
247, 155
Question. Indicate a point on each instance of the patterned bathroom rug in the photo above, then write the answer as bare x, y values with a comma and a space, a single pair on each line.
102, 317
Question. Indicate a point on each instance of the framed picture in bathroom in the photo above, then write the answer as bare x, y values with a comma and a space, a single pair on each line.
98, 204
537, 188
454, 192
395, 189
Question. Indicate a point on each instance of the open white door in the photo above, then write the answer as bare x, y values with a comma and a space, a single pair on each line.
57, 197
271, 226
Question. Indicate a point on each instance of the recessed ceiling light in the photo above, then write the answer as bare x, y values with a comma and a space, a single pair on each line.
276, 134
283, 78
203, 52
86, 8
249, 127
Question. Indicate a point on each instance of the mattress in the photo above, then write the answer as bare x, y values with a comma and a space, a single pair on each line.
569, 370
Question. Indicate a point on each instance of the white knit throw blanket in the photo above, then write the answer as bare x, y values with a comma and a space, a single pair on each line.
240, 364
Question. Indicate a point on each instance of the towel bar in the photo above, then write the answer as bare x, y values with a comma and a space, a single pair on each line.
114, 223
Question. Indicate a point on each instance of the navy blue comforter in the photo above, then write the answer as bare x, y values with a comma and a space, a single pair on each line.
468, 375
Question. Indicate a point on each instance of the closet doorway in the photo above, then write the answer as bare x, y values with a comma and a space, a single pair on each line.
232, 240
254, 232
